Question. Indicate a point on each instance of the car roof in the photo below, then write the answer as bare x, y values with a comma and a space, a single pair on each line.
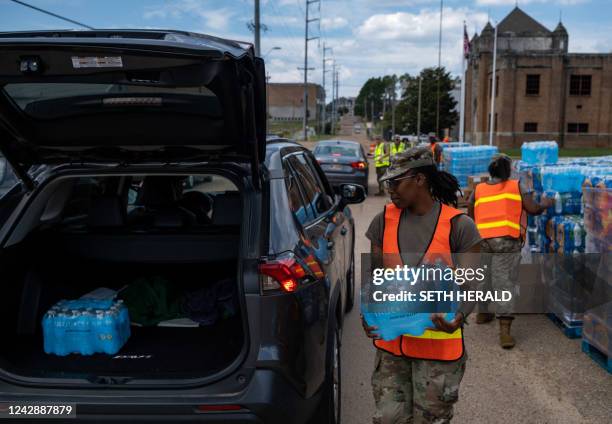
338, 142
201, 44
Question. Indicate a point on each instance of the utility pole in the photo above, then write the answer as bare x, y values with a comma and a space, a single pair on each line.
324, 117
306, 40
419, 110
332, 129
493, 89
337, 94
257, 30
393, 108
439, 70
372, 112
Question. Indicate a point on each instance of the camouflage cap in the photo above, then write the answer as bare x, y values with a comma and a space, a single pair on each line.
409, 159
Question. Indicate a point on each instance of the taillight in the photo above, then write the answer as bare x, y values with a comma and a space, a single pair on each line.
358, 165
287, 274
284, 274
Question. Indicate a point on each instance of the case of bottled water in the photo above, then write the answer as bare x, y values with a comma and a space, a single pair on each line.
540, 152
391, 325
86, 326
465, 161
597, 193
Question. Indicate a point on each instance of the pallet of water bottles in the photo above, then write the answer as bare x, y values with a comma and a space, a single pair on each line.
467, 161
597, 196
597, 335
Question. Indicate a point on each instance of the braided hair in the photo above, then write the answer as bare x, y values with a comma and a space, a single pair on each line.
501, 167
443, 186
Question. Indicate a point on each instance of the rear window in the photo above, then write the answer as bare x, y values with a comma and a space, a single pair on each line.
46, 99
149, 203
337, 151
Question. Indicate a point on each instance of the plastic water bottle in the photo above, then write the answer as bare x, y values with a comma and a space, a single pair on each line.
577, 235
558, 204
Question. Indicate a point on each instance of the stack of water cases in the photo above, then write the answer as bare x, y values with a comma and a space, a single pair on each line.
450, 144
597, 331
560, 235
86, 326
465, 161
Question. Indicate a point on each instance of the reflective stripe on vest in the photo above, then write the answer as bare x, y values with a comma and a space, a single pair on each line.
434, 345
378, 156
498, 209
397, 149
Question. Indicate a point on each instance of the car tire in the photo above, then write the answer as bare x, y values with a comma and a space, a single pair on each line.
350, 287
330, 411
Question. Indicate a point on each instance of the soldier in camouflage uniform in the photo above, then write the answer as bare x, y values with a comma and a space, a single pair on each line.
408, 390
502, 254
415, 391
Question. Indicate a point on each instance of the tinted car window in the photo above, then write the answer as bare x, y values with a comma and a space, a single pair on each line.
336, 151
302, 211
314, 192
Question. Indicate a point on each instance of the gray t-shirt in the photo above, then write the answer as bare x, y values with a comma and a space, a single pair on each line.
415, 232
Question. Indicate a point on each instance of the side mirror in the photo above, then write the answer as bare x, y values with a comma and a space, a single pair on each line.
352, 193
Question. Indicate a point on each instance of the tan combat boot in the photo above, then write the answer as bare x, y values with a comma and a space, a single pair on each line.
505, 339
484, 317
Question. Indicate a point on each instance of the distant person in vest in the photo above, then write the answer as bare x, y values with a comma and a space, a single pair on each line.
497, 208
397, 147
416, 379
381, 161
436, 149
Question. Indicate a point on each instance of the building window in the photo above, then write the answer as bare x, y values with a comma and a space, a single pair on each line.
580, 85
530, 127
578, 128
533, 85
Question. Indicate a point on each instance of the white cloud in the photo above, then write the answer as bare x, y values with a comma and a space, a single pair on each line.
410, 26
213, 19
333, 23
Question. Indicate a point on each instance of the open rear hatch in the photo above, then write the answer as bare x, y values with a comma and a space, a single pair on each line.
129, 96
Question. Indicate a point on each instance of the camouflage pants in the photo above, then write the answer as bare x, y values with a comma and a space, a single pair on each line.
415, 391
380, 171
502, 256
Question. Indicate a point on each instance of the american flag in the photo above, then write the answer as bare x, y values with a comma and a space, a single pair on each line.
467, 46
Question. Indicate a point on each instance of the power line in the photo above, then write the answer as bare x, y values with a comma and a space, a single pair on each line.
55, 15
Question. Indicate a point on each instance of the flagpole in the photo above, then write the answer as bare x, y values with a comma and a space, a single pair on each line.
493, 89
463, 82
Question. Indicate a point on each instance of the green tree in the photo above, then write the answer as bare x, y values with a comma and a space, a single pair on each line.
374, 91
406, 113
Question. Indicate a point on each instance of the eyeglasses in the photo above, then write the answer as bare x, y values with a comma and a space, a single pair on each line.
395, 182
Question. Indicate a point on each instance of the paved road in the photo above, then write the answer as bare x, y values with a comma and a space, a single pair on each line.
544, 379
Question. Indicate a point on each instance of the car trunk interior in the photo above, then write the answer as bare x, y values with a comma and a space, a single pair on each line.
67, 261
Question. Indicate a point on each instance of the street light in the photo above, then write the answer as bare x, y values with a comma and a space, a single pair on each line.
270, 51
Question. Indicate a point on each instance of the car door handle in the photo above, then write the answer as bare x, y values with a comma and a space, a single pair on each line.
343, 231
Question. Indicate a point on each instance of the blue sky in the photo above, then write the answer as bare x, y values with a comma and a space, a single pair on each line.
368, 37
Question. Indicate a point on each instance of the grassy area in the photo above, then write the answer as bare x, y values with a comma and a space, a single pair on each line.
586, 152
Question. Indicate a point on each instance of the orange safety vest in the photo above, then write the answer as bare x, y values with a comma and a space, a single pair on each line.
432, 344
498, 209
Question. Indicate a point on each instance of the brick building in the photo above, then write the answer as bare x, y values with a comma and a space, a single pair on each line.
286, 101
543, 92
